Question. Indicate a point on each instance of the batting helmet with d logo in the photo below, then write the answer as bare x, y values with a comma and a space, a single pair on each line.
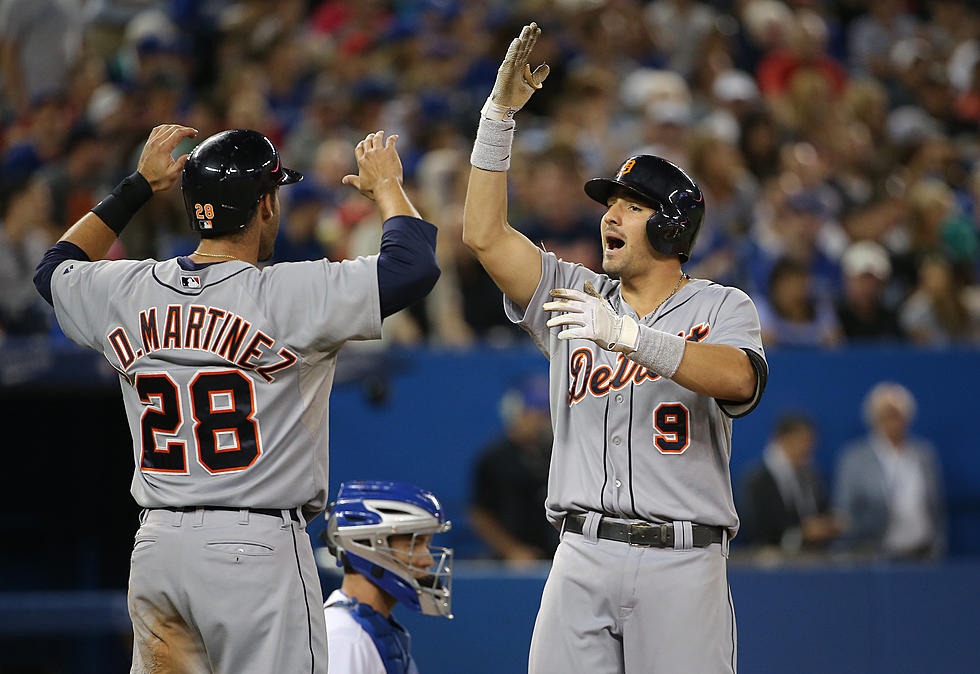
660, 184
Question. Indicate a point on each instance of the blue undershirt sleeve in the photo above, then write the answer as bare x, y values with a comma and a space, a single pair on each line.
407, 267
55, 255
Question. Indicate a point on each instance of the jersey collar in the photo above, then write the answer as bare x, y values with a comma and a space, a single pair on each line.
691, 288
186, 277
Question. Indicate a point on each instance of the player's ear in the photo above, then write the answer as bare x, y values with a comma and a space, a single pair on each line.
267, 205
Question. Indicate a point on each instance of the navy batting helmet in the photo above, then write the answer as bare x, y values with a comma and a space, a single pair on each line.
225, 178
678, 200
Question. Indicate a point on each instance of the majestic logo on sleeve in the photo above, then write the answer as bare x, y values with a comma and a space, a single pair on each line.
587, 377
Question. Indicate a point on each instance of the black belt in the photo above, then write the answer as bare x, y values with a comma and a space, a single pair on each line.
645, 535
272, 512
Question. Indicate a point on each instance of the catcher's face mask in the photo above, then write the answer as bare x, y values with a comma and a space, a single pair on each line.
385, 530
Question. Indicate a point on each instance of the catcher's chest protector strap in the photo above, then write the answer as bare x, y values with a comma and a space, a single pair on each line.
394, 644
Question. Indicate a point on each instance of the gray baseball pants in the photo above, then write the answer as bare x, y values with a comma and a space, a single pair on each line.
609, 608
225, 591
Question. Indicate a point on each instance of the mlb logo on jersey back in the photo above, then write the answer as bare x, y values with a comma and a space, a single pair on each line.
190, 281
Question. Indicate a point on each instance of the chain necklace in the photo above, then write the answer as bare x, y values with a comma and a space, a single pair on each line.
230, 257
672, 292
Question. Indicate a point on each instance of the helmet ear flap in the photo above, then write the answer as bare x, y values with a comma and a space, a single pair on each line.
662, 228
670, 229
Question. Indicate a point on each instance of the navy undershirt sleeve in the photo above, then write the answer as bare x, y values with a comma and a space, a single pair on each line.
407, 267
55, 255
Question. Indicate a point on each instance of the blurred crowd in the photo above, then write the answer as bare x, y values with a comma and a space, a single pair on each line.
836, 141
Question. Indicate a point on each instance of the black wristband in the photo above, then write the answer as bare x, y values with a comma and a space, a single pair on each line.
118, 208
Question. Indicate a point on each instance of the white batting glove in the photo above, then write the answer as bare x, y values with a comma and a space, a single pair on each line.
593, 318
515, 81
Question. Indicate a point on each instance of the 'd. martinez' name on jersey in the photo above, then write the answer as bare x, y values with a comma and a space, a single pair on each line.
201, 328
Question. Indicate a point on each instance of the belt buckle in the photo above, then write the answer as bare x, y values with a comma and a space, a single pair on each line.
637, 543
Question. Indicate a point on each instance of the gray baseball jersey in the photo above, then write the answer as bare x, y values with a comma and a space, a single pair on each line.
631, 445
225, 371
628, 442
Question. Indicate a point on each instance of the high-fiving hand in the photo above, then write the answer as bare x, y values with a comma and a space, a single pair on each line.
594, 319
515, 81
156, 163
377, 162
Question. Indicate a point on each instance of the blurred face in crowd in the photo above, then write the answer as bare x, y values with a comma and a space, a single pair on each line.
718, 163
556, 189
49, 128
626, 251
863, 289
891, 421
936, 277
798, 231
302, 221
531, 430
332, 161
28, 210
790, 294
797, 444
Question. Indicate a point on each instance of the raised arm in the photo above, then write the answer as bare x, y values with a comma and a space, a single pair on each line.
94, 233
156, 171
380, 176
407, 265
513, 262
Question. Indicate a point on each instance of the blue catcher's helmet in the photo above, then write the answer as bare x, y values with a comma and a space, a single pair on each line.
359, 524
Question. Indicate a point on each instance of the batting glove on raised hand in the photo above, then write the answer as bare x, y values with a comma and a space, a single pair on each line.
594, 319
515, 81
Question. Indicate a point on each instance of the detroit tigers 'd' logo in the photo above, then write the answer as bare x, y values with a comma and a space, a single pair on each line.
626, 168
587, 377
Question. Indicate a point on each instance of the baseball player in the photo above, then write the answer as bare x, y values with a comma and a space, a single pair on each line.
648, 367
381, 533
226, 372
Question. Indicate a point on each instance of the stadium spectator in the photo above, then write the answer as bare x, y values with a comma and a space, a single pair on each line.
862, 309
890, 162
39, 41
941, 310
510, 479
26, 231
791, 315
888, 487
554, 220
784, 505
873, 35
732, 191
74, 180
298, 237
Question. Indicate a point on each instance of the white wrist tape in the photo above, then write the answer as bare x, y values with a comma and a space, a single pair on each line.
658, 351
494, 138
